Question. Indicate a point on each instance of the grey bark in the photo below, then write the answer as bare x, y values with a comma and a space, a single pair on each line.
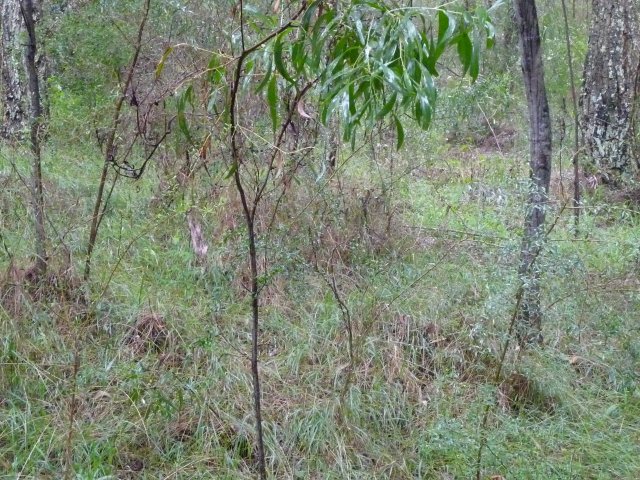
35, 123
609, 88
332, 144
13, 88
529, 323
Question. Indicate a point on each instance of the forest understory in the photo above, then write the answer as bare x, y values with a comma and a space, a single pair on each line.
421, 267
243, 191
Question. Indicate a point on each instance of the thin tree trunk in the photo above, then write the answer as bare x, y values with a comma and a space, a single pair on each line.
610, 73
110, 149
27, 9
249, 215
11, 53
530, 316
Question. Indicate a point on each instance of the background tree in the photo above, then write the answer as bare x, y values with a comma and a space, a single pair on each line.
11, 60
530, 317
611, 73
35, 128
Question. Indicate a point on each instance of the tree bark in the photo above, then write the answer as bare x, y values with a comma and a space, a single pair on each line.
529, 323
11, 53
610, 79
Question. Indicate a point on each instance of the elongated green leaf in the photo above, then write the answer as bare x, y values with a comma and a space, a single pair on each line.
321, 31
187, 96
465, 51
272, 99
423, 112
211, 104
474, 67
428, 56
446, 27
330, 104
308, 15
363, 89
232, 170
359, 28
215, 71
352, 100
182, 124
268, 71
278, 59
399, 133
363, 111
495, 6
190, 96
298, 56
160, 65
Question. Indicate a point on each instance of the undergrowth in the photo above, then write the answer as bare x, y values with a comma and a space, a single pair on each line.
422, 262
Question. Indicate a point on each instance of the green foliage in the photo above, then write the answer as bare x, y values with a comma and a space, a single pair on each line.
367, 61
381, 60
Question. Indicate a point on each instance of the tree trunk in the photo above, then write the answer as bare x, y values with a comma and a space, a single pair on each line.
610, 79
35, 114
530, 316
11, 53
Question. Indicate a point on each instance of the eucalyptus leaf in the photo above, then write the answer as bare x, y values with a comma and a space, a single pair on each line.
272, 99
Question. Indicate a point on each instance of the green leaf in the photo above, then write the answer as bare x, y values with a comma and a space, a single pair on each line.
232, 170
465, 51
215, 72
330, 102
443, 25
481, 13
446, 27
187, 96
352, 100
272, 98
160, 65
298, 56
399, 132
182, 124
365, 109
428, 56
190, 96
474, 67
387, 107
267, 76
422, 109
308, 15
391, 77
278, 60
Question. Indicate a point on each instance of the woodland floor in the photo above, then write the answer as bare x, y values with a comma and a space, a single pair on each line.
423, 257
